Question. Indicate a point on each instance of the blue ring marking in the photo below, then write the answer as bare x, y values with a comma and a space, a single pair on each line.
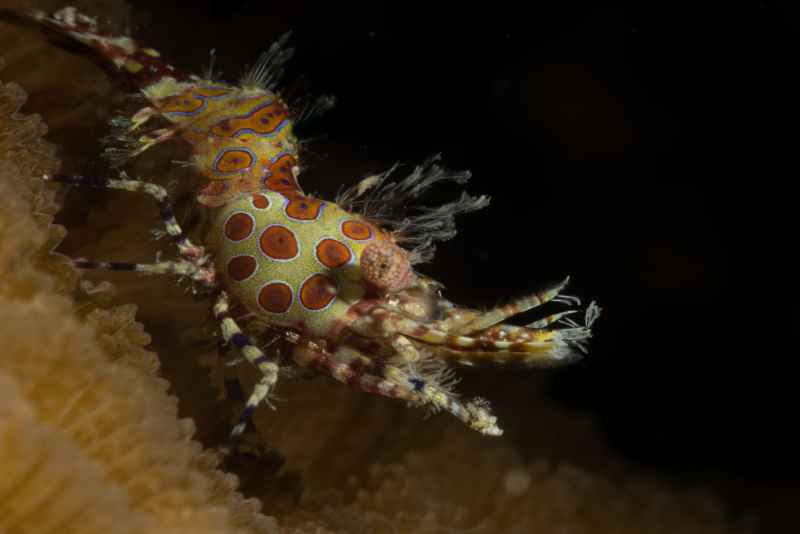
349, 219
275, 159
253, 161
248, 115
323, 204
213, 87
256, 109
189, 113
273, 133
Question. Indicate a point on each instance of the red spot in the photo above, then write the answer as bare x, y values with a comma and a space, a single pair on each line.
280, 177
266, 120
317, 292
279, 243
233, 160
303, 208
260, 201
241, 268
239, 226
357, 230
275, 297
332, 253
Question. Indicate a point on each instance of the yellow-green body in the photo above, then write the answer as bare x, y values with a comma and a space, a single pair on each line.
320, 224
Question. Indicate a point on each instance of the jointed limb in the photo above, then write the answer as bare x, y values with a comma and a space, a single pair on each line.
550, 319
396, 383
380, 321
267, 365
475, 413
475, 322
186, 248
501, 343
201, 275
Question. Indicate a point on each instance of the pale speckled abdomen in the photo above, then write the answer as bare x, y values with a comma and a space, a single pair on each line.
291, 259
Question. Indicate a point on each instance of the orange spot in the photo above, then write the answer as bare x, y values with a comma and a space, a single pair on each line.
211, 92
233, 160
303, 208
238, 226
266, 119
224, 128
317, 292
279, 243
183, 103
260, 201
281, 177
332, 253
275, 297
241, 268
357, 230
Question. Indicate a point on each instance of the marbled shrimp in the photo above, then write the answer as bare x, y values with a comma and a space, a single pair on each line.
333, 281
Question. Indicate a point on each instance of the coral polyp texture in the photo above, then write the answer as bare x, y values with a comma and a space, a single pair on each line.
89, 439
326, 285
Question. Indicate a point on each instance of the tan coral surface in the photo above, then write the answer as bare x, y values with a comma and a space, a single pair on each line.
89, 439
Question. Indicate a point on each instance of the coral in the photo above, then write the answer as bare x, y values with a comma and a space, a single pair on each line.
89, 439
24, 153
496, 492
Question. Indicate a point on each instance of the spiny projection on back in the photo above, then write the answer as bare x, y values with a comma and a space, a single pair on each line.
241, 135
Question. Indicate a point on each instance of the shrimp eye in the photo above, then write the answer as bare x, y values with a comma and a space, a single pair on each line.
385, 267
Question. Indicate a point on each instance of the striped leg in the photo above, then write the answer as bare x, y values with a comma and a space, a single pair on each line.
395, 383
481, 321
142, 116
201, 275
153, 138
499, 344
268, 365
476, 413
186, 248
550, 319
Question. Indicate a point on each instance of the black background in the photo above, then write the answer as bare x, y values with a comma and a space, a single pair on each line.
647, 151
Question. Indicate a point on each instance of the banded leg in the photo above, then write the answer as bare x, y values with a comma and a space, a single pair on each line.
153, 138
550, 348
186, 248
475, 413
474, 323
550, 319
231, 333
396, 383
381, 320
201, 275
500, 343
142, 116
